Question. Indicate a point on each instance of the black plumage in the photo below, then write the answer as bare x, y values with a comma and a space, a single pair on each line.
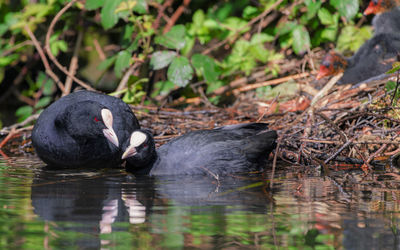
228, 149
83, 129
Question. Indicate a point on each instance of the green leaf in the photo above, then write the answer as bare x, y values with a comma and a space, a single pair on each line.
161, 59
250, 12
261, 38
49, 87
180, 72
312, 7
301, 39
141, 7
329, 33
122, 62
206, 66
390, 85
346, 8
325, 17
174, 39
107, 63
93, 4
6, 60
108, 16
235, 25
395, 68
23, 112
162, 88
285, 28
352, 37
43, 102
125, 5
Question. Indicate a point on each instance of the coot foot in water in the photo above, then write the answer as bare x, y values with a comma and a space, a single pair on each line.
228, 149
373, 59
83, 129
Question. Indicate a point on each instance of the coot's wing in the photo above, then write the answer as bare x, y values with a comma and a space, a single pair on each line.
219, 151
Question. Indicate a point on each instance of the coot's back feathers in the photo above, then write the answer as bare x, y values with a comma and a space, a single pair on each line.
229, 149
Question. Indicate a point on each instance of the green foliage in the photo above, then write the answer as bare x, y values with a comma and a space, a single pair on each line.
174, 39
212, 44
351, 38
180, 72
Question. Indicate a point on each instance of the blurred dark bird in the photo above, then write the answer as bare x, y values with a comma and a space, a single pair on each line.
228, 149
83, 129
370, 62
387, 19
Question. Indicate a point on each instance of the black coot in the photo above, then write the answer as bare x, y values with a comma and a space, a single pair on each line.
83, 129
228, 149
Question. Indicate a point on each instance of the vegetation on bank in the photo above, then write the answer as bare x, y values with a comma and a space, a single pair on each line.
157, 51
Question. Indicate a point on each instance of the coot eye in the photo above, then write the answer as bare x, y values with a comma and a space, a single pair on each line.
145, 145
96, 119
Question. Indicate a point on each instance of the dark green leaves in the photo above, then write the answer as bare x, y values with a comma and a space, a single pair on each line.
180, 72
161, 59
108, 16
93, 4
112, 10
206, 67
312, 7
174, 39
122, 62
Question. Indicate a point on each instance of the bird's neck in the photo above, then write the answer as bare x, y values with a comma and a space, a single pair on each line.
144, 166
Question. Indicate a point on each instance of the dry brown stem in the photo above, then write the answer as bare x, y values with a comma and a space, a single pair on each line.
52, 57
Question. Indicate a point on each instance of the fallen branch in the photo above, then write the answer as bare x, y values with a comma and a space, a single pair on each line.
270, 82
325, 89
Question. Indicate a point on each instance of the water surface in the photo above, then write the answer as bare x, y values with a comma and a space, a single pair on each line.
110, 209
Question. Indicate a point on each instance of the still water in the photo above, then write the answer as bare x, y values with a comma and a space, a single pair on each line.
110, 209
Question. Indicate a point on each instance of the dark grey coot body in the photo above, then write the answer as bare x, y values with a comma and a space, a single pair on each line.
228, 149
372, 59
387, 22
69, 133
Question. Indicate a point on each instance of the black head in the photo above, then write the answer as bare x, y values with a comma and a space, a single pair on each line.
140, 151
87, 120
